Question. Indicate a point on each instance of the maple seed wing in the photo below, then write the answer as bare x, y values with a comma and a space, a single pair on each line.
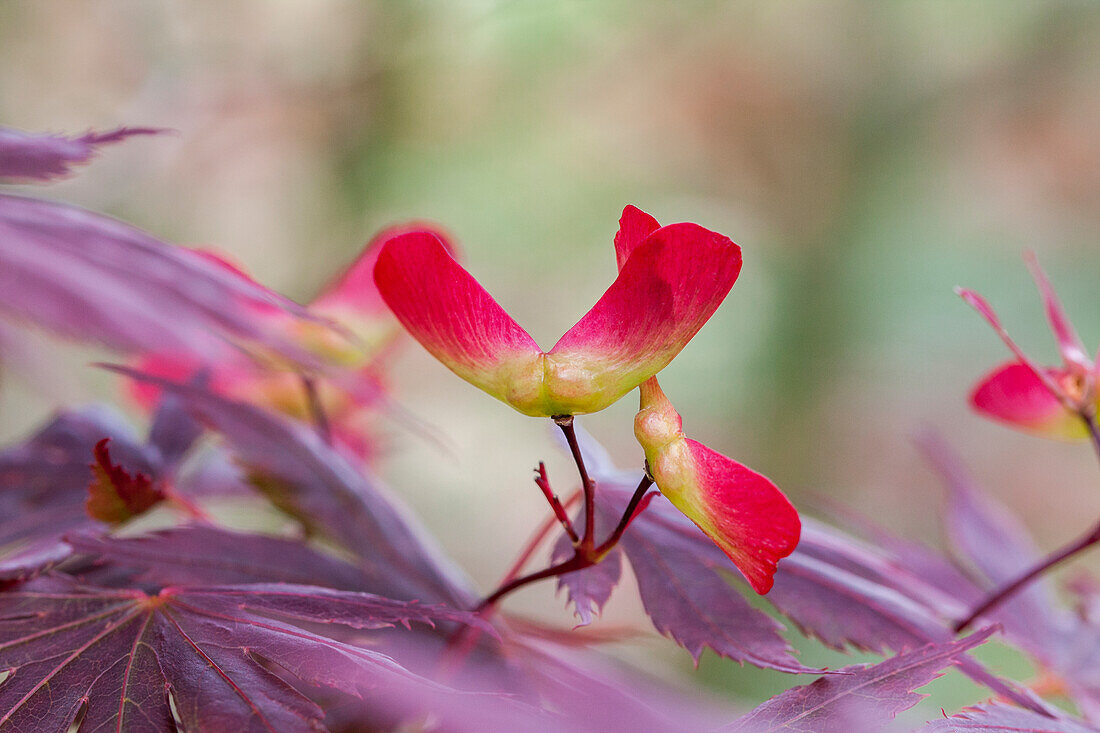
668, 288
455, 319
1013, 395
1069, 343
634, 226
744, 513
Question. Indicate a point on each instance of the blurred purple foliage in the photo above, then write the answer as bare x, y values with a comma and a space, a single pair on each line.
354, 618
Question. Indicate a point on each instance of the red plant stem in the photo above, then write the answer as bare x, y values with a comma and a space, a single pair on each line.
533, 543
581, 558
543, 482
565, 422
577, 562
462, 643
1001, 594
1083, 543
638, 502
317, 409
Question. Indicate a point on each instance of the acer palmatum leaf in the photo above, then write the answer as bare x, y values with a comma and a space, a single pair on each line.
226, 655
45, 157
318, 485
861, 697
997, 718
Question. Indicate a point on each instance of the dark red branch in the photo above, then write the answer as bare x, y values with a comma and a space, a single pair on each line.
638, 502
1001, 594
565, 422
543, 482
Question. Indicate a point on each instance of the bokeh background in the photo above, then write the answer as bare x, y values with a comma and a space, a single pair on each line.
868, 157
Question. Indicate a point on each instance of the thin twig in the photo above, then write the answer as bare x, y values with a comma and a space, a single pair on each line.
577, 562
543, 482
1003, 593
638, 502
565, 422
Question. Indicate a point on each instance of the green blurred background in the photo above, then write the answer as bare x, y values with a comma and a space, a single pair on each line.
867, 156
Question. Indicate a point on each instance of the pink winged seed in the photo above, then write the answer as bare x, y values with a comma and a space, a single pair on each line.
667, 289
749, 517
1013, 394
448, 311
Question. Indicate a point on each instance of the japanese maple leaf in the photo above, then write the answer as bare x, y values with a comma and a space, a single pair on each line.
861, 697
30, 157
332, 497
1048, 401
90, 277
356, 355
668, 288
996, 718
44, 479
222, 657
115, 494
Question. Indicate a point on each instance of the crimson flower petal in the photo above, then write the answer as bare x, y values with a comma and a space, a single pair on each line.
744, 513
1013, 394
456, 320
665, 292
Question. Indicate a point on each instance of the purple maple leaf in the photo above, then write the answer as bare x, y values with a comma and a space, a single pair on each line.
861, 697
206, 555
116, 495
223, 658
44, 482
1004, 719
43, 158
94, 278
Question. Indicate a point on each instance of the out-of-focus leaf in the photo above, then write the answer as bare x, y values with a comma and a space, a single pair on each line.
97, 279
203, 555
44, 484
315, 483
1005, 719
870, 695
31, 559
843, 593
225, 655
994, 546
116, 495
685, 584
173, 431
591, 695
43, 158
588, 590
833, 587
